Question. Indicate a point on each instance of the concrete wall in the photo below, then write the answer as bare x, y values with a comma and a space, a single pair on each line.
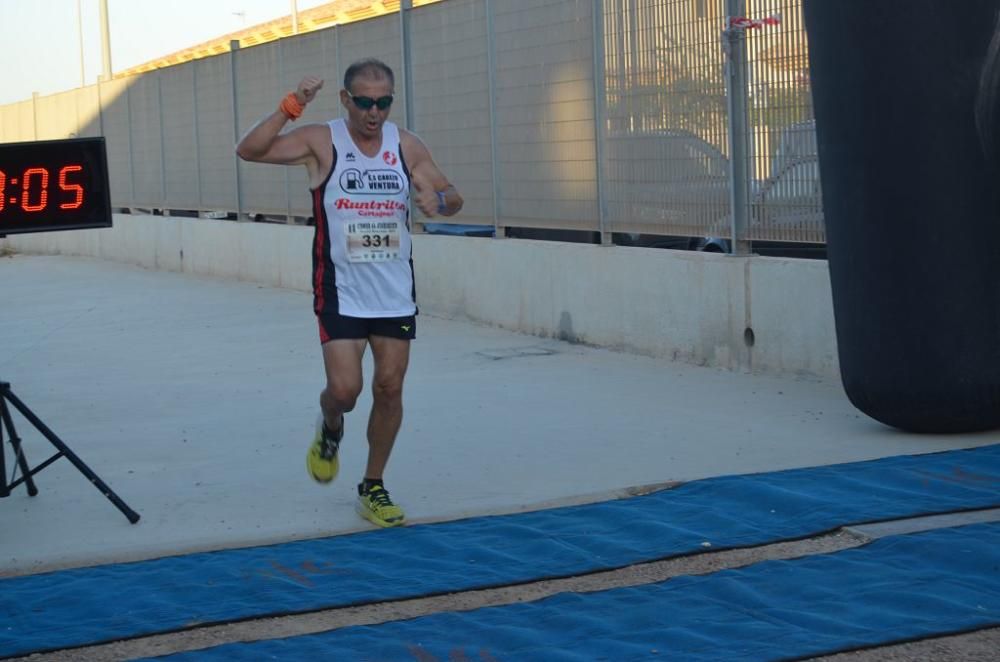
693, 307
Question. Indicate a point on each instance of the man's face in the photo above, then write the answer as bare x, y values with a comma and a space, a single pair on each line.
367, 123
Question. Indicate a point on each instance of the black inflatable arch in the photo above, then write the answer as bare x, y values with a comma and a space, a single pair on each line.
906, 97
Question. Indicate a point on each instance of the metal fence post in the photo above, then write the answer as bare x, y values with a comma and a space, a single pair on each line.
131, 156
163, 142
288, 180
234, 47
197, 134
734, 41
34, 115
600, 96
100, 108
338, 56
77, 94
405, 7
491, 65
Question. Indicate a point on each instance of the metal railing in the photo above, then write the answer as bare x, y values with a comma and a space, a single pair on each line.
609, 116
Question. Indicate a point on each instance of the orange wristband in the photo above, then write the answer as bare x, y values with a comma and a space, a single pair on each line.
291, 107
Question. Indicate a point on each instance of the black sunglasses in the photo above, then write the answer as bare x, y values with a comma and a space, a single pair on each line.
365, 103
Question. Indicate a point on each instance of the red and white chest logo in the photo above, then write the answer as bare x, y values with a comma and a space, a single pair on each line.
389, 158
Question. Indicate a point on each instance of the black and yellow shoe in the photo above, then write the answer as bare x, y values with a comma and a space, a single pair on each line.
321, 460
375, 506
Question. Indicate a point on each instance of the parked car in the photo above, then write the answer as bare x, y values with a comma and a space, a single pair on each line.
670, 177
653, 179
570, 236
459, 229
797, 142
675, 178
786, 209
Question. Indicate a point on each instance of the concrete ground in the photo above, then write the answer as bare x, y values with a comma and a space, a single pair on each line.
194, 399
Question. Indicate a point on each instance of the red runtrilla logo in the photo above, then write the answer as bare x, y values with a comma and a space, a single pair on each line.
388, 205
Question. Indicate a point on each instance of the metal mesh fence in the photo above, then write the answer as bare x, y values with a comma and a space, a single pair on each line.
666, 156
311, 54
544, 114
114, 122
180, 138
56, 115
146, 139
216, 132
258, 84
452, 98
786, 198
599, 115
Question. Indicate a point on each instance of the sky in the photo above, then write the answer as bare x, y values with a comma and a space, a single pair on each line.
41, 38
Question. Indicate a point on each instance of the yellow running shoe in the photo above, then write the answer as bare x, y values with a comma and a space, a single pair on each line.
375, 506
321, 460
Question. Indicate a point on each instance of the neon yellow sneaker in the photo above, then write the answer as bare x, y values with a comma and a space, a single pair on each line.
321, 460
375, 506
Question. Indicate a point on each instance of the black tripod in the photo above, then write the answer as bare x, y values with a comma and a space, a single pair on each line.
6, 423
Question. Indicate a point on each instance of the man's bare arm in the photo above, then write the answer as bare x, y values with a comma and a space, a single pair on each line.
435, 195
265, 143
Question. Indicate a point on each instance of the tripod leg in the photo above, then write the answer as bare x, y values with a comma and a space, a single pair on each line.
15, 442
132, 516
4, 487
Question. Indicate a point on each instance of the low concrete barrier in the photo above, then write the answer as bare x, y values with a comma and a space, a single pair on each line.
765, 315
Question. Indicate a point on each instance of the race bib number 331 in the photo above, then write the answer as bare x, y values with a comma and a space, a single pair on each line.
373, 241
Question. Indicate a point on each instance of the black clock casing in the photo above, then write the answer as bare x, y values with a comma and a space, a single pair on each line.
50, 185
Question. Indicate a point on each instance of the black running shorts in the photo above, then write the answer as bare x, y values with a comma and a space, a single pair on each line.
333, 326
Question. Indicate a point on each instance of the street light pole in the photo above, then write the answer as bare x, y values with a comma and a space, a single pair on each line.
105, 42
79, 29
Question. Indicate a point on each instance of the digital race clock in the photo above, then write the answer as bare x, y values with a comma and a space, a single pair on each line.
54, 185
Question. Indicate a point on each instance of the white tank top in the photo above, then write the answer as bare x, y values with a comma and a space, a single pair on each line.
362, 264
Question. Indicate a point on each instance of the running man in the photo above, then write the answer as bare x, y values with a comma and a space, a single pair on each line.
361, 170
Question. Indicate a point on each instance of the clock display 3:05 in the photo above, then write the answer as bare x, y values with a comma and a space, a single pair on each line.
31, 189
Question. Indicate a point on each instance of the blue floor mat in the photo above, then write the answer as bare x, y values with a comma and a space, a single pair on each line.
92, 605
895, 589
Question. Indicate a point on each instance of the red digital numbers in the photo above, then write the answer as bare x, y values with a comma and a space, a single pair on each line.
75, 188
43, 198
34, 191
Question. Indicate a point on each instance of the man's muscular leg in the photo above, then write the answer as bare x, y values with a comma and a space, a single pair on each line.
392, 356
344, 380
